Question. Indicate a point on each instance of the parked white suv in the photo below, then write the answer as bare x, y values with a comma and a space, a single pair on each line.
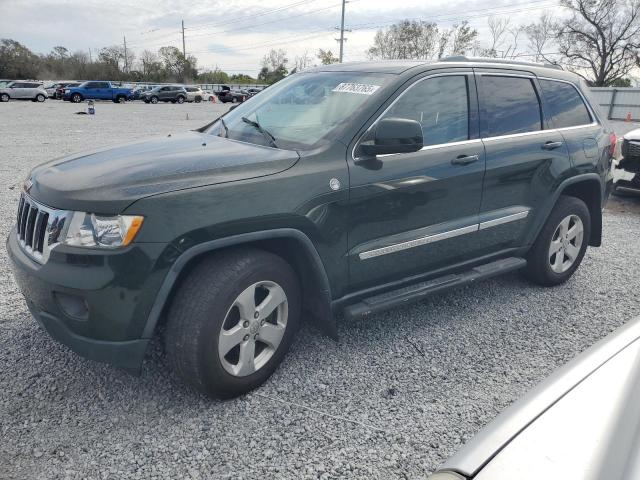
194, 94
23, 91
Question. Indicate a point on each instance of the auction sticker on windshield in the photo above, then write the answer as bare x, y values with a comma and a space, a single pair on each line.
360, 88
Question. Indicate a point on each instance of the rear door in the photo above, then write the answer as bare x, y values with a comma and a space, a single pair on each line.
19, 90
413, 213
524, 157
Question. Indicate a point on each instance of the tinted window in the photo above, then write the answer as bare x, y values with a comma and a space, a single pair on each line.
509, 105
92, 85
441, 105
565, 104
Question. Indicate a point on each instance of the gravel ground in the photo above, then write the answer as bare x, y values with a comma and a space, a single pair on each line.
393, 398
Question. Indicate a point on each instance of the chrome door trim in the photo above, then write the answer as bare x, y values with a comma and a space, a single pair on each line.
502, 220
418, 242
437, 146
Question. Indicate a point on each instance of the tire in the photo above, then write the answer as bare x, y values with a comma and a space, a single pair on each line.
205, 306
547, 268
40, 98
146, 101
198, 99
154, 99
4, 97
121, 99
180, 100
234, 100
76, 98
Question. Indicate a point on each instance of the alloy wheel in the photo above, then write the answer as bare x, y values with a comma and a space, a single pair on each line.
253, 328
566, 244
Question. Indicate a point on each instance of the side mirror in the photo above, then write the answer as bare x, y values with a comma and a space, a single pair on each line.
394, 135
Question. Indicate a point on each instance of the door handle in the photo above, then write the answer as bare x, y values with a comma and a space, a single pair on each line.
464, 159
551, 145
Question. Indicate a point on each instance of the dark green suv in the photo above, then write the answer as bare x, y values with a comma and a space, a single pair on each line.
346, 189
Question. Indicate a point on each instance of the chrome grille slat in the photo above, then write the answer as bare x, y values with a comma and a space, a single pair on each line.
38, 228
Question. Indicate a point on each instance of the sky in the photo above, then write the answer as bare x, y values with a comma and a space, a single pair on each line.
234, 35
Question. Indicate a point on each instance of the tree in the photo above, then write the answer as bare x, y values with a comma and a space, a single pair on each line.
242, 78
303, 61
176, 65
274, 66
504, 38
17, 61
600, 40
327, 57
541, 36
410, 39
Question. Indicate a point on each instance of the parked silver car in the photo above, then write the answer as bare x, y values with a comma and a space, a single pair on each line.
23, 91
582, 423
194, 94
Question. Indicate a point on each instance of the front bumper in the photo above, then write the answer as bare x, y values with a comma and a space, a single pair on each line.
626, 179
96, 303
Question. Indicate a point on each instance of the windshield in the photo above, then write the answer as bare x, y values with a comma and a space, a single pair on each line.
301, 110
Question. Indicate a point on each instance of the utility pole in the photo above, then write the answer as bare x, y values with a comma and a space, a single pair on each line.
342, 31
184, 50
126, 57
90, 59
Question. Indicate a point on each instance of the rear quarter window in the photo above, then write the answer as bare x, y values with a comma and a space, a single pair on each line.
509, 105
565, 104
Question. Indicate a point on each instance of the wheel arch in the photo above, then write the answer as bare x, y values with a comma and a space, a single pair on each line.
291, 244
588, 188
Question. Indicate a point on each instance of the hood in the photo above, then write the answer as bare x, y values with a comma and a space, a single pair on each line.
108, 180
633, 135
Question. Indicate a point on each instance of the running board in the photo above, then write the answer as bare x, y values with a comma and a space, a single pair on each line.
418, 291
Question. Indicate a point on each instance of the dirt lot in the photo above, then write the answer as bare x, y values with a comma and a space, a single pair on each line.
393, 398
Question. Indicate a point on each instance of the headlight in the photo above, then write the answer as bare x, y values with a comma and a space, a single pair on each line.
90, 230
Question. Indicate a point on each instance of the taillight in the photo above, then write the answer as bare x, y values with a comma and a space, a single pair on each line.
614, 140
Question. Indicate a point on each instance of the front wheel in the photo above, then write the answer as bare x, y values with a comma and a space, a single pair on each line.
561, 244
40, 98
76, 98
198, 99
232, 321
4, 97
234, 100
180, 100
154, 100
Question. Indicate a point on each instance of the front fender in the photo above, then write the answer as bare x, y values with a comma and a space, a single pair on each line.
322, 306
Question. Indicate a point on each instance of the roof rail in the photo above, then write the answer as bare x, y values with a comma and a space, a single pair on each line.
462, 58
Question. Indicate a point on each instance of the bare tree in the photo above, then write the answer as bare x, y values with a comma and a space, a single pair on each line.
504, 38
541, 39
303, 61
600, 41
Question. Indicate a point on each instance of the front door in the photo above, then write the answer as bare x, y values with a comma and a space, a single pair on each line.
413, 213
524, 157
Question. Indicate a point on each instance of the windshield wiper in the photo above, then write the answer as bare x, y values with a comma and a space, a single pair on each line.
226, 129
266, 134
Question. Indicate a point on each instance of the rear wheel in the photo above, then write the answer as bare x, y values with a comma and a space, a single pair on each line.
234, 100
121, 99
561, 244
232, 321
198, 99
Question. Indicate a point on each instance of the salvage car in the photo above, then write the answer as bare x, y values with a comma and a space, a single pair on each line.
580, 423
627, 171
379, 184
23, 91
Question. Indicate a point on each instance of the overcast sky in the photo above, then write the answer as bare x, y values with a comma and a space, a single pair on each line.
234, 34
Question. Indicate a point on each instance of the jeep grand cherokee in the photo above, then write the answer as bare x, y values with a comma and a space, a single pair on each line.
348, 188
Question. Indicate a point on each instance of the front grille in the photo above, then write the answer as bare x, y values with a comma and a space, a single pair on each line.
631, 149
38, 228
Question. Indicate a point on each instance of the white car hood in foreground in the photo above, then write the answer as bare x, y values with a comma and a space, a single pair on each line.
582, 423
633, 135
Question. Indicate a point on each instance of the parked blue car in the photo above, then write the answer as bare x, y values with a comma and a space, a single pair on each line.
97, 91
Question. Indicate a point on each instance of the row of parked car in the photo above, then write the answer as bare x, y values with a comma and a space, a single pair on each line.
77, 92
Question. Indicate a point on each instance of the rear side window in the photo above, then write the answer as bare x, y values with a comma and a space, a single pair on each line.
565, 104
508, 105
441, 105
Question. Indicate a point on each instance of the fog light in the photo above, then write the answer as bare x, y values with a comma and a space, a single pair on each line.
73, 306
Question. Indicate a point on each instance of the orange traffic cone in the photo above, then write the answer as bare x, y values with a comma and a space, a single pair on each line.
628, 119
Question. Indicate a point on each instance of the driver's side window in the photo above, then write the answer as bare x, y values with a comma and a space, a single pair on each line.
440, 104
